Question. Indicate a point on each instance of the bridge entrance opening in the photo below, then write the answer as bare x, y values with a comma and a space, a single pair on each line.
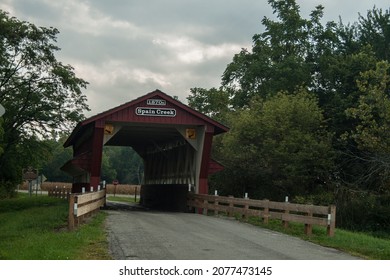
173, 140
121, 165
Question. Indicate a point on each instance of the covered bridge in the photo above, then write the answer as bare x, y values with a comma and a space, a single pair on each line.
173, 140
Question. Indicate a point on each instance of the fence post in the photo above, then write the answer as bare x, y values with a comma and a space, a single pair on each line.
331, 220
71, 212
231, 206
198, 202
216, 203
266, 211
309, 227
205, 207
246, 210
286, 212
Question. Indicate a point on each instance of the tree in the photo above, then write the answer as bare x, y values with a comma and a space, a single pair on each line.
372, 129
278, 60
294, 52
364, 203
211, 102
108, 172
279, 147
40, 94
55, 157
125, 163
1, 135
374, 30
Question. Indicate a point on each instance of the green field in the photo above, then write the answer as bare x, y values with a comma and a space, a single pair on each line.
35, 228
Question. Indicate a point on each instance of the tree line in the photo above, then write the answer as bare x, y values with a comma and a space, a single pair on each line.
309, 110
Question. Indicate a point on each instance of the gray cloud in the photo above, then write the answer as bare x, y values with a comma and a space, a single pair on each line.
127, 48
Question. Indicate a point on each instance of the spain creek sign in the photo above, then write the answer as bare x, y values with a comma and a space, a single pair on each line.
155, 112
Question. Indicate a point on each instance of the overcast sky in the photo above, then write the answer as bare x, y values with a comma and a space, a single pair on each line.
127, 48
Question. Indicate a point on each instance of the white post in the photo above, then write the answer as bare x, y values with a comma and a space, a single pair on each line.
83, 189
91, 189
98, 187
286, 199
75, 208
246, 195
216, 193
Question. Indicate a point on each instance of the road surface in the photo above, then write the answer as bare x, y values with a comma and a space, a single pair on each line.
151, 235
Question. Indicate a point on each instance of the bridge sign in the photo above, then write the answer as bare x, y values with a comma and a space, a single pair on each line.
160, 102
30, 174
155, 112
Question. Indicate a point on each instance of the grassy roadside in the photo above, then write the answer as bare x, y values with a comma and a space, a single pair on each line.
35, 228
358, 244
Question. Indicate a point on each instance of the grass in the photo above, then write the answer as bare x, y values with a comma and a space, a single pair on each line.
127, 199
35, 228
358, 244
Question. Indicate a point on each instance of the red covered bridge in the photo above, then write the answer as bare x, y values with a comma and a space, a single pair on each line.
173, 140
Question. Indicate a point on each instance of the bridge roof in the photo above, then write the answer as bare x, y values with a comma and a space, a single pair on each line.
155, 107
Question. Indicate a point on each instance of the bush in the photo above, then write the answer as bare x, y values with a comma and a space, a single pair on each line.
363, 211
7, 189
323, 198
356, 210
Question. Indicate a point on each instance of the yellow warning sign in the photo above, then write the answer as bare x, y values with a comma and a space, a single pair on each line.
191, 133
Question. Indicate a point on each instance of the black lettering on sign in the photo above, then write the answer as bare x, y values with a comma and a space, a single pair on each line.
155, 112
160, 102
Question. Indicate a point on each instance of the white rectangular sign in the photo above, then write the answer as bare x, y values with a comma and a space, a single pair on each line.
155, 112
160, 102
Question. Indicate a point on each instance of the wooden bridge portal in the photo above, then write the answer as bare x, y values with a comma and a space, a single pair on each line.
173, 140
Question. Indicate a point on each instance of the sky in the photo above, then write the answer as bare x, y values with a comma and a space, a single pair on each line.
128, 48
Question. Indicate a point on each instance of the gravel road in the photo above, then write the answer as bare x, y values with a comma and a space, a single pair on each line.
150, 235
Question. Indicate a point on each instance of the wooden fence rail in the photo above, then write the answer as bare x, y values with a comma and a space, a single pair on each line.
286, 212
82, 205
